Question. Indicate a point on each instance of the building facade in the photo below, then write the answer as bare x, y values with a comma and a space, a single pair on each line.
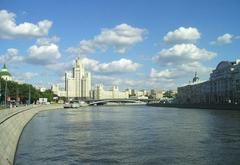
100, 93
156, 94
4, 74
77, 83
223, 87
58, 91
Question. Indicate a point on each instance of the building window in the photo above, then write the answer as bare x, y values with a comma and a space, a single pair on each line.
238, 85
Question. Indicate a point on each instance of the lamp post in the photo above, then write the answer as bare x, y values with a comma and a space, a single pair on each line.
5, 94
17, 97
0, 92
29, 95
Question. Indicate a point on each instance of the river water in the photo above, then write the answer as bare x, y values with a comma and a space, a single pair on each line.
131, 135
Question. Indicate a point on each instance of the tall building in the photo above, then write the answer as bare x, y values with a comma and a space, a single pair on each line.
78, 83
223, 87
4, 74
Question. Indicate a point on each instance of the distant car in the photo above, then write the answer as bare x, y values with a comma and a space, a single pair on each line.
67, 105
13, 103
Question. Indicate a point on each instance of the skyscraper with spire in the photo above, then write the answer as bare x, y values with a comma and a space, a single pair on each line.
78, 83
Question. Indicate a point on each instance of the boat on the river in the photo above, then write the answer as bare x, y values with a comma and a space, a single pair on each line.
75, 104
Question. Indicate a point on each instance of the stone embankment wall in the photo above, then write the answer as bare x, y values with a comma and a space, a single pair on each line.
12, 123
199, 106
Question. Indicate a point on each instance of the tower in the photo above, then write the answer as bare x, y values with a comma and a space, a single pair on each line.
78, 84
4, 74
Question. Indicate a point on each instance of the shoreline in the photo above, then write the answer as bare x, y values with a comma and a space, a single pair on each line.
199, 106
11, 128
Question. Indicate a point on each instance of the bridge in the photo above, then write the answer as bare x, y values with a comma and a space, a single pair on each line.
117, 101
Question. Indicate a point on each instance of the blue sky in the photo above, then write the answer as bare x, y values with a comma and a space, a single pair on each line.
136, 44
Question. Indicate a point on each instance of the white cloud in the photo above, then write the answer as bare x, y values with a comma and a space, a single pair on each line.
130, 82
109, 81
43, 55
9, 29
194, 67
90, 64
113, 67
24, 77
44, 52
180, 71
119, 38
170, 78
183, 53
181, 60
11, 57
122, 65
224, 39
85, 47
182, 35
28, 75
164, 74
118, 66
47, 40
60, 68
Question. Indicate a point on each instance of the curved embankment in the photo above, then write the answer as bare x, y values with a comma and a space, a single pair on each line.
12, 123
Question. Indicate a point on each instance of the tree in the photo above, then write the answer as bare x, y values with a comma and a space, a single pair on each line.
169, 94
48, 94
14, 90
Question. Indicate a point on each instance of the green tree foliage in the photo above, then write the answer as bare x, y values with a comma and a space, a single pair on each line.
169, 94
47, 94
14, 90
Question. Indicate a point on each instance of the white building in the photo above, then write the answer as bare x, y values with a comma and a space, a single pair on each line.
223, 87
156, 93
42, 100
130, 92
77, 83
142, 94
100, 93
58, 91
4, 74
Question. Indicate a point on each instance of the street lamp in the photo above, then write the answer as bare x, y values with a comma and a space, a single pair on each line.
0, 92
5, 94
29, 95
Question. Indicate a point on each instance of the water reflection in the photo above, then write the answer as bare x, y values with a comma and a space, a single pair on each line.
131, 135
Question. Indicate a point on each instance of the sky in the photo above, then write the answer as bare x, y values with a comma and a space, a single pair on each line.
141, 44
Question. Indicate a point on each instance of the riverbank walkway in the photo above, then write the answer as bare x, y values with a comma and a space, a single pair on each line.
12, 123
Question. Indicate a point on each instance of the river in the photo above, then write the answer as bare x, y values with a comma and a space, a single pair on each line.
131, 135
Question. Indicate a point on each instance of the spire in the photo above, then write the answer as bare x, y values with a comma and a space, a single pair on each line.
4, 71
78, 62
4, 66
